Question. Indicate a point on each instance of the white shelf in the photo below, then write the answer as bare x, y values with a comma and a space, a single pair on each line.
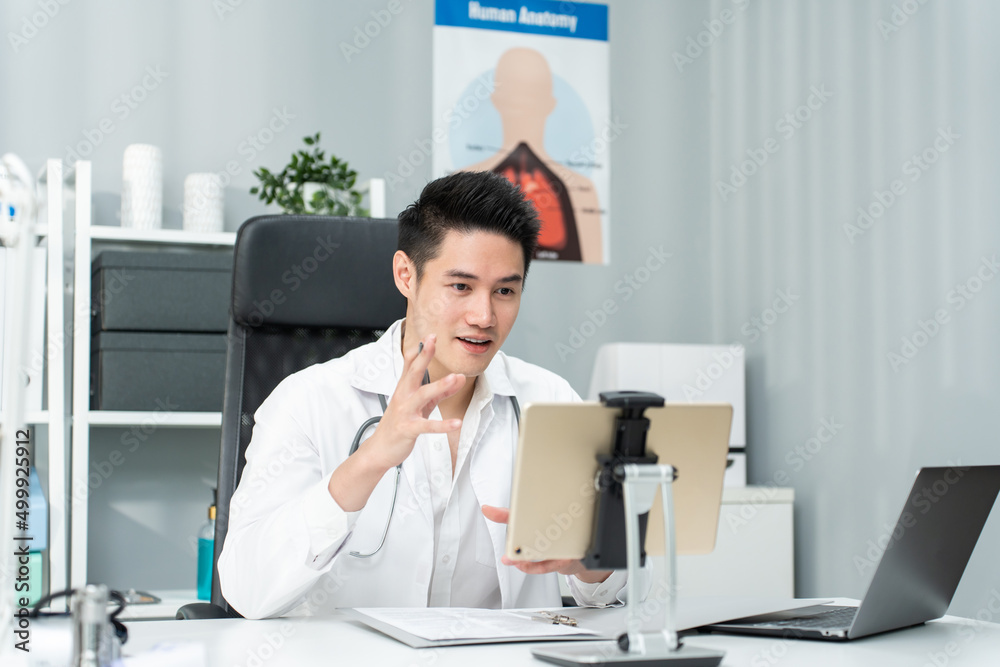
157, 417
169, 236
6, 228
35, 417
90, 237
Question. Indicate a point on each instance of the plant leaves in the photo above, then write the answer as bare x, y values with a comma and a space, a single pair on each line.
335, 197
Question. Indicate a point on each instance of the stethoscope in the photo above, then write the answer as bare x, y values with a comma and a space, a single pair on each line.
384, 401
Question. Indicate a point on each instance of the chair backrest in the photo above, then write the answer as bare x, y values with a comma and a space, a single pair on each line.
306, 289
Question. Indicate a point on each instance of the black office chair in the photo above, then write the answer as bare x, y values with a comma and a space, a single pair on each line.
306, 289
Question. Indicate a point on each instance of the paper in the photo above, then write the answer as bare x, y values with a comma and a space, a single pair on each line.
441, 626
444, 624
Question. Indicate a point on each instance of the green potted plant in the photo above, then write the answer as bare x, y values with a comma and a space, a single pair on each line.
311, 184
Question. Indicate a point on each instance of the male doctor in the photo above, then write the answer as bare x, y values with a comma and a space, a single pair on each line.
308, 519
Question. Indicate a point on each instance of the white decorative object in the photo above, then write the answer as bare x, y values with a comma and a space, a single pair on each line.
203, 203
309, 188
142, 187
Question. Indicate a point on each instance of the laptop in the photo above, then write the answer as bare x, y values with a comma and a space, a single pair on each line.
917, 574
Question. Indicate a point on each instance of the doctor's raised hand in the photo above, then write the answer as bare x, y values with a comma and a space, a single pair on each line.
406, 417
562, 566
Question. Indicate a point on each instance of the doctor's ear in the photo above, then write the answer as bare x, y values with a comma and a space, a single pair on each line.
404, 273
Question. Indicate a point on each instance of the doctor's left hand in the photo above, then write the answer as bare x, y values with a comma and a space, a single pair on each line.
562, 566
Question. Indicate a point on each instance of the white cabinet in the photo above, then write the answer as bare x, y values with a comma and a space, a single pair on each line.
753, 553
754, 548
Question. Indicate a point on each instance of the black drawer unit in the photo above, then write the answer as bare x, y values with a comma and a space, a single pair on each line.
161, 291
157, 371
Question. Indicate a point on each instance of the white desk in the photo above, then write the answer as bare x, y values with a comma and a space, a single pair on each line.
950, 642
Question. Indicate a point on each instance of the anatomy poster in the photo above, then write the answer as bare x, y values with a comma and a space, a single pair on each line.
521, 88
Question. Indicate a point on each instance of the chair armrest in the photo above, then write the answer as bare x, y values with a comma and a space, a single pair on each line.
201, 610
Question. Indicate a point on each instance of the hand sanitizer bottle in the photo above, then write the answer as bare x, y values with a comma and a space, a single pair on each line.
206, 554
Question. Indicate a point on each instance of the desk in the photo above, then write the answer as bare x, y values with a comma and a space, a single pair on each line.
334, 640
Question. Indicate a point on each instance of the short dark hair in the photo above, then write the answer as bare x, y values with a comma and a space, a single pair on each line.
467, 201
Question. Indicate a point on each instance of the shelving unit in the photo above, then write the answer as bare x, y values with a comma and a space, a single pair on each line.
54, 416
159, 237
173, 419
84, 420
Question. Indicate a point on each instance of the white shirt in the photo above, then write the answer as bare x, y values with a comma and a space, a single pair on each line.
288, 545
459, 525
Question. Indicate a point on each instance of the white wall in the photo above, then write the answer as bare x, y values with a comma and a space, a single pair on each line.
825, 357
881, 96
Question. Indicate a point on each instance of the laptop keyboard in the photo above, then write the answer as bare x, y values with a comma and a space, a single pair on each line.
838, 618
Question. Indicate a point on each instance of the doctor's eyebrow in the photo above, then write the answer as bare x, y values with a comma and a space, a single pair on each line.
464, 275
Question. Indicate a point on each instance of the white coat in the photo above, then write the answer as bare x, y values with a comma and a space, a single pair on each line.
288, 540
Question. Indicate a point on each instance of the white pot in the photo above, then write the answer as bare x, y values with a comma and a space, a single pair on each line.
308, 190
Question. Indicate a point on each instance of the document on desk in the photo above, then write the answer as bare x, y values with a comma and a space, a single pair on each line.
450, 626
444, 626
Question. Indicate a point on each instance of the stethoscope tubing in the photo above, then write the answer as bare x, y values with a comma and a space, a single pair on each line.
372, 421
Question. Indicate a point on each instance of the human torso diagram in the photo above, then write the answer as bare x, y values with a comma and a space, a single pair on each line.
566, 200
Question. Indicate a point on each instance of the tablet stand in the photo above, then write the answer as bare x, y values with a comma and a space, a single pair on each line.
624, 481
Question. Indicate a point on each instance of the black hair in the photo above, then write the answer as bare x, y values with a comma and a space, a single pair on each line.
467, 201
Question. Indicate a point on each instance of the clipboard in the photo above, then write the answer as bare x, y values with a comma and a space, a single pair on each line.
458, 626
605, 623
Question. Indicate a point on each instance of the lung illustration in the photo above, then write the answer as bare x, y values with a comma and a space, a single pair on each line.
558, 238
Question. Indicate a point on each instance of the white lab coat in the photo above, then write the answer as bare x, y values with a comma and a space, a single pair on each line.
287, 546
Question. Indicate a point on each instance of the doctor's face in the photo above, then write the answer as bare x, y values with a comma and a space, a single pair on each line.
468, 295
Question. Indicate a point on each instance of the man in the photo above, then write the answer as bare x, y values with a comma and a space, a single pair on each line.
315, 529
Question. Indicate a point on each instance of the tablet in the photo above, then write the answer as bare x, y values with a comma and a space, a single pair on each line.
553, 498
